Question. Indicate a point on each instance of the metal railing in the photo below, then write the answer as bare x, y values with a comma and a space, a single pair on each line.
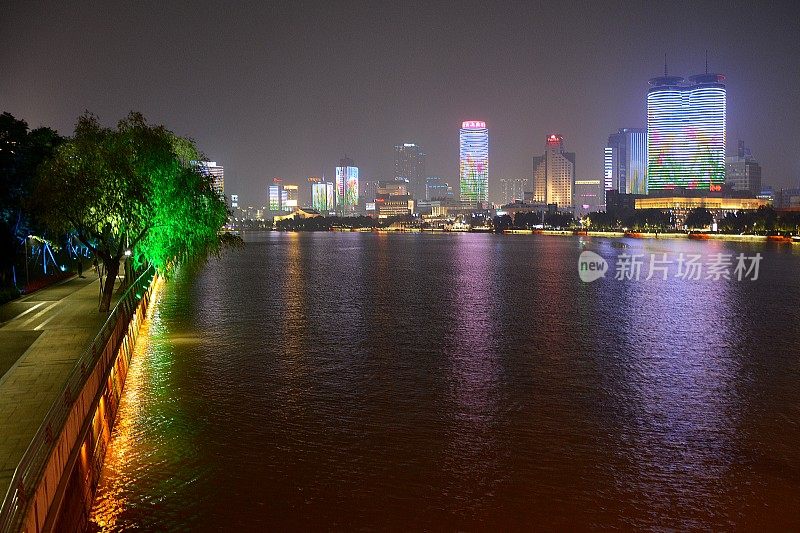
31, 467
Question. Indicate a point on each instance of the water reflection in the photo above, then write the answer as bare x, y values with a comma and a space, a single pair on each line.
474, 358
359, 381
679, 395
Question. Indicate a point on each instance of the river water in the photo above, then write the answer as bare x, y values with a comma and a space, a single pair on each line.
461, 381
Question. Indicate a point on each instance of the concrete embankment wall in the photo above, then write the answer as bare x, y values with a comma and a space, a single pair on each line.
62, 499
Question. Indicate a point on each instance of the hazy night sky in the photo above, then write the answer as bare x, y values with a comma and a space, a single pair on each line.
286, 90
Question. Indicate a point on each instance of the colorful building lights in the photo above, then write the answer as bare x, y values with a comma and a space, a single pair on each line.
625, 161
346, 184
474, 162
686, 132
323, 196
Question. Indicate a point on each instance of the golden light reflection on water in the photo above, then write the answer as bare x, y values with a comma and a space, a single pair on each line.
110, 503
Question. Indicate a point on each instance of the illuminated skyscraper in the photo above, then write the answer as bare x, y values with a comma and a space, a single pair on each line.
686, 132
474, 162
346, 185
554, 174
278, 196
217, 173
292, 197
409, 164
625, 162
323, 196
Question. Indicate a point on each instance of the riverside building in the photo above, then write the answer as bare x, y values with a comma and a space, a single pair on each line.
474, 162
686, 132
554, 174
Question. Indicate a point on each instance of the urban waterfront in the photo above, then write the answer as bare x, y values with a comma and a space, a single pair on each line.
460, 381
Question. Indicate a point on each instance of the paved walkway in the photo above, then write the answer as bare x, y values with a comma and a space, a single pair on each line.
41, 336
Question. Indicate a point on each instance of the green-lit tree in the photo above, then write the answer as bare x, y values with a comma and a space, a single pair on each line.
131, 188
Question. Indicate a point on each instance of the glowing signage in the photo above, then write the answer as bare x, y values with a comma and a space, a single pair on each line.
473, 125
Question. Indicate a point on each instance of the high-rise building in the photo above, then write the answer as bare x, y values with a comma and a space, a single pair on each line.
323, 196
217, 173
307, 193
292, 197
686, 132
474, 162
346, 184
512, 189
742, 172
589, 196
554, 174
278, 196
625, 161
409, 164
437, 188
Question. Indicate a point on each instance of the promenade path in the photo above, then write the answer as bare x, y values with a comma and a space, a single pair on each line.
41, 337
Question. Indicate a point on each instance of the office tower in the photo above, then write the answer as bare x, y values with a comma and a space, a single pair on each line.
554, 174
307, 193
409, 164
474, 162
589, 196
346, 184
277, 196
323, 196
742, 172
625, 161
437, 188
512, 189
686, 132
217, 173
292, 197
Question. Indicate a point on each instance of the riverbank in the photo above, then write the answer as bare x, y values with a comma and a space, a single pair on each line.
41, 337
61, 376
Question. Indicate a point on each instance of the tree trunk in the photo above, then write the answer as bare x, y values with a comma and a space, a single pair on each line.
127, 270
112, 269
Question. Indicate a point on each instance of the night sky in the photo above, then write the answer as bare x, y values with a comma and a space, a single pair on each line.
286, 89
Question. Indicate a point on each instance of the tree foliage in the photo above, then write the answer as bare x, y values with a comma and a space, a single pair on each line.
21, 152
131, 188
699, 218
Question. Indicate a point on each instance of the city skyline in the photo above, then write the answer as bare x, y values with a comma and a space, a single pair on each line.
280, 108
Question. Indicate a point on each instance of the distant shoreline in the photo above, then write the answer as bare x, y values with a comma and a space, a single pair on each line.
570, 233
